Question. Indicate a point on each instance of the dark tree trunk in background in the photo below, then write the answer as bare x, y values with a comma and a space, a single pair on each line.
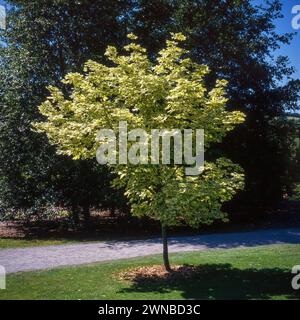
75, 213
165, 249
87, 215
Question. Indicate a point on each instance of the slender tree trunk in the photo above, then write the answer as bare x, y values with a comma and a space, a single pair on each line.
75, 214
165, 249
87, 215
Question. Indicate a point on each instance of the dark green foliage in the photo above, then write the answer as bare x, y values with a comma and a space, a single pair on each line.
44, 41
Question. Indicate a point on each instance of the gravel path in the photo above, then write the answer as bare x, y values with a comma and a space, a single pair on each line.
38, 258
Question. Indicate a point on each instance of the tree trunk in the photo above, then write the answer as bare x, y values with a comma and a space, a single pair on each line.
87, 215
165, 249
75, 214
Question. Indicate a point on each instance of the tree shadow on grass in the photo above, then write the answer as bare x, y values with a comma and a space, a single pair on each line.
219, 281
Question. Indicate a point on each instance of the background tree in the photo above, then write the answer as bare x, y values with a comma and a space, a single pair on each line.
45, 40
169, 94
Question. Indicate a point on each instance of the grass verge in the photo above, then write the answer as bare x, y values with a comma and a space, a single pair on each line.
262, 272
24, 243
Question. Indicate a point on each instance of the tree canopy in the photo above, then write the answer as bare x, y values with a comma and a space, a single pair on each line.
169, 94
45, 40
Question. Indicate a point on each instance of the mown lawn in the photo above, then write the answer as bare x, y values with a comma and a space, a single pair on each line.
23, 243
255, 273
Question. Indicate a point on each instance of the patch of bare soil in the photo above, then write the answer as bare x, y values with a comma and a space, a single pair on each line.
158, 273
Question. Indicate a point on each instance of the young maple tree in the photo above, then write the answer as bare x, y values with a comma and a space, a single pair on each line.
170, 93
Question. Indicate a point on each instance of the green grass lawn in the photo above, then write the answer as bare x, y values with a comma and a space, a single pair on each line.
255, 273
23, 243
